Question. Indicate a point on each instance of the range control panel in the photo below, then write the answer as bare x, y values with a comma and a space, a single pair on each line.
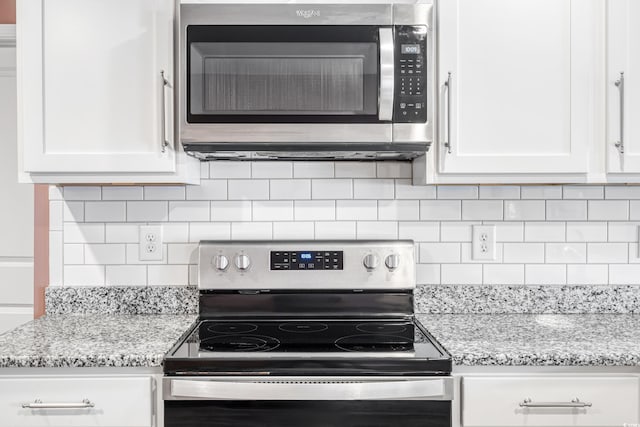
307, 260
410, 75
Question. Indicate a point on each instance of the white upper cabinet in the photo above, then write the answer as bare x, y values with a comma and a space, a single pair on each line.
517, 82
623, 89
96, 90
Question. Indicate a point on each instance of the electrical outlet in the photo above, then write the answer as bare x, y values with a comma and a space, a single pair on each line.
150, 243
484, 242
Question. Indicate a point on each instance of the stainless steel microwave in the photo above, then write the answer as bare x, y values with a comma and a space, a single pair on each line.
314, 80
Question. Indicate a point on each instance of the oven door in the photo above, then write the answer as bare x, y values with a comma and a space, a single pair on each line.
309, 402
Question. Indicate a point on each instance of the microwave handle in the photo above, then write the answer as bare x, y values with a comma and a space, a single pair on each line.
387, 75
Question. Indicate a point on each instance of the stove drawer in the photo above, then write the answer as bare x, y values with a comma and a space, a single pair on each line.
543, 401
75, 401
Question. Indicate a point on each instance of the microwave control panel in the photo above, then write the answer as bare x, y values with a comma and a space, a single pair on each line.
410, 74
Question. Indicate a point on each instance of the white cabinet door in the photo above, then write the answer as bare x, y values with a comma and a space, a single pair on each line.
92, 98
623, 91
522, 81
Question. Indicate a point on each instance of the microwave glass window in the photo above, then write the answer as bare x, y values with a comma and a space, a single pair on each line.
299, 78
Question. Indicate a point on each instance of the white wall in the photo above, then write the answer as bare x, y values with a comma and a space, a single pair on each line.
16, 214
546, 234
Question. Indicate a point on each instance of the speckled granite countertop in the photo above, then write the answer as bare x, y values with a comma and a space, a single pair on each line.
93, 340
538, 339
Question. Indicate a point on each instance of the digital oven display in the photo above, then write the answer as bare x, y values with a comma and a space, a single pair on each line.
307, 260
410, 49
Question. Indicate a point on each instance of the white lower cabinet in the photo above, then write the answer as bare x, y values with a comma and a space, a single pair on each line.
496, 401
118, 401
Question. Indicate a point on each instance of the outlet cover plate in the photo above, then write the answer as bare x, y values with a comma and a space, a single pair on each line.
150, 243
484, 242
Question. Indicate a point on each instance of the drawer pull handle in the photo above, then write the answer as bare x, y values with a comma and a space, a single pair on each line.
575, 403
38, 404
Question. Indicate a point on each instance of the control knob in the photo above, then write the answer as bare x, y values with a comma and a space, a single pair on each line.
371, 261
243, 262
392, 261
220, 262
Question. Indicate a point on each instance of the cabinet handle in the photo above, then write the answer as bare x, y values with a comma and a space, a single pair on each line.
575, 403
620, 85
447, 84
38, 404
163, 118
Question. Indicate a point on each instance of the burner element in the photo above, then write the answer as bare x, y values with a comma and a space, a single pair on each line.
303, 327
373, 343
237, 343
232, 328
381, 328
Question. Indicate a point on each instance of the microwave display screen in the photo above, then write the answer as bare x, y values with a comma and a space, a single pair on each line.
410, 49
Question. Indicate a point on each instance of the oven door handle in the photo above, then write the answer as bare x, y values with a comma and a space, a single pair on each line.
387, 75
283, 389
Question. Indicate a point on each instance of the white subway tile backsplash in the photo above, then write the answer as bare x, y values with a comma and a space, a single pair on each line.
624, 274
482, 210
73, 211
437, 253
503, 274
83, 233
499, 192
457, 192
398, 210
229, 169
105, 211
168, 275
110, 253
545, 274
607, 253
373, 188
565, 253
624, 192
175, 232
456, 231
461, 274
313, 170
566, 210
526, 253
290, 189
608, 210
182, 253
273, 210
509, 231
335, 230
541, 192
248, 189
524, 210
56, 260
391, 169
73, 253
209, 231
204, 170
623, 231
84, 275
419, 231
355, 170
634, 210
428, 274
544, 232
122, 193
122, 233
82, 193
314, 210
583, 192
126, 275
357, 210
440, 210
587, 274
332, 189
147, 211
272, 169
189, 211
586, 232
209, 189
231, 210
293, 230
161, 192
376, 230
55, 192
406, 190
251, 230
56, 215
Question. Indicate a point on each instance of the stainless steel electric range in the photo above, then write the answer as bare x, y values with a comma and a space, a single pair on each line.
307, 333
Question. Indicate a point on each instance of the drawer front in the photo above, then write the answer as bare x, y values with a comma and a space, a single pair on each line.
121, 401
495, 401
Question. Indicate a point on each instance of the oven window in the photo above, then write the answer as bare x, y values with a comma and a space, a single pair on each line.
285, 73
